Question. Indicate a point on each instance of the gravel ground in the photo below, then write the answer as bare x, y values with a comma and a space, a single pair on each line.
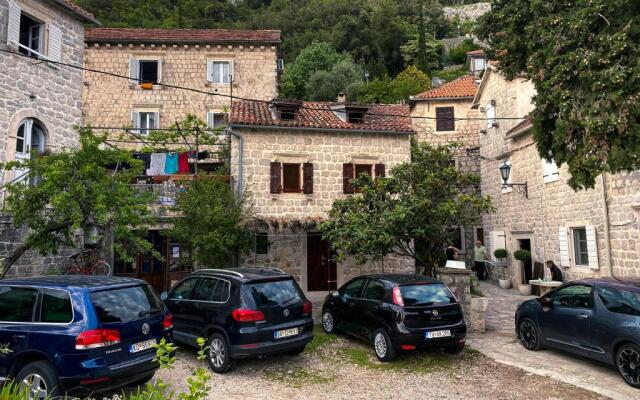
343, 368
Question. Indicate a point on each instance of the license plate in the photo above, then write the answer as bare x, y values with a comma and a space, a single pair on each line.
285, 333
142, 346
437, 334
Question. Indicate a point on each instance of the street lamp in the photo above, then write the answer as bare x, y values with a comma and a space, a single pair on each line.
505, 172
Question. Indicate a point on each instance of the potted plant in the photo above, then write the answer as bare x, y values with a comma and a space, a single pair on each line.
523, 256
503, 281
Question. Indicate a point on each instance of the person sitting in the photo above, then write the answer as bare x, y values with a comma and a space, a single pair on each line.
556, 274
452, 252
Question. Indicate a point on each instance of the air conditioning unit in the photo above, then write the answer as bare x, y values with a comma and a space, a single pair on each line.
280, 65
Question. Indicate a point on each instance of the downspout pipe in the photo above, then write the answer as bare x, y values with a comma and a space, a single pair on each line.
240, 158
607, 234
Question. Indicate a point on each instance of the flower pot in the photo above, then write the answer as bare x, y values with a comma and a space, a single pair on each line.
504, 283
525, 290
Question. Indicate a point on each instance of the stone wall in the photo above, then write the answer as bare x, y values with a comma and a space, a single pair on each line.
458, 280
623, 197
109, 101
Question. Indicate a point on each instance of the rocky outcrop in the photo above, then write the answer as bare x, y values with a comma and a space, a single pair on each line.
469, 11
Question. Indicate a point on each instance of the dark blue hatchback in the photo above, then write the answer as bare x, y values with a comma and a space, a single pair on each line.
79, 334
595, 318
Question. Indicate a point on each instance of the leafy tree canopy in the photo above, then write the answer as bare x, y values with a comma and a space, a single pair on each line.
411, 213
582, 56
409, 82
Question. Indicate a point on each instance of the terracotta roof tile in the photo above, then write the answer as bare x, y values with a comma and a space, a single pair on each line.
390, 118
182, 36
71, 6
478, 52
463, 87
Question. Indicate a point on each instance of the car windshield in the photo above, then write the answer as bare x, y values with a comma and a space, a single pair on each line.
426, 294
125, 304
278, 293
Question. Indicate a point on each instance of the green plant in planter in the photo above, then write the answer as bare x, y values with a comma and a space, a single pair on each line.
502, 254
475, 286
522, 256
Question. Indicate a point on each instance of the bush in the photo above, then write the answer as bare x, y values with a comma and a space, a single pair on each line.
522, 255
501, 253
450, 74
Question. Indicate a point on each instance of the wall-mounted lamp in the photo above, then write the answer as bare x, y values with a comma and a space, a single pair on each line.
505, 172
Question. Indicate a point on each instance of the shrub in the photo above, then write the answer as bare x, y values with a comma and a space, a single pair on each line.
501, 253
522, 255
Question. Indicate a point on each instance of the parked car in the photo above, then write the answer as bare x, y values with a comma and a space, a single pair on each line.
595, 318
243, 312
397, 312
79, 334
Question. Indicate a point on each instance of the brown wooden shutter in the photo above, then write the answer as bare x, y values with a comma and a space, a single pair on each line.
276, 177
307, 178
444, 119
347, 177
380, 170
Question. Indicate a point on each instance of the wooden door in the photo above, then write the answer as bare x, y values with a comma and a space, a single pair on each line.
321, 266
150, 268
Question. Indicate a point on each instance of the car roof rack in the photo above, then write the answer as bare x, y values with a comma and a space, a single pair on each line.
272, 269
222, 271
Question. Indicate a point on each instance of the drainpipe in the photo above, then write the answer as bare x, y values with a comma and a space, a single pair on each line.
240, 158
607, 235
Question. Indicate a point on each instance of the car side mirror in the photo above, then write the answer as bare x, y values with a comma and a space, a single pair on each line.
164, 296
335, 294
546, 302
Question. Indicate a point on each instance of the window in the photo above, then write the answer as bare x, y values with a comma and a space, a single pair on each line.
275, 293
353, 288
291, 178
210, 289
262, 243
445, 119
145, 71
478, 64
458, 238
574, 296
550, 171
31, 36
426, 294
363, 169
216, 120
16, 304
491, 114
287, 114
620, 301
219, 71
56, 307
355, 117
126, 304
145, 121
184, 290
30, 139
351, 171
375, 290
580, 249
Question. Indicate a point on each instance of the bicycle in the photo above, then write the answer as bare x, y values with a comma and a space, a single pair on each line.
488, 270
88, 262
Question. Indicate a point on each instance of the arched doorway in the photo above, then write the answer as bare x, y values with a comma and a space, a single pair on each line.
30, 139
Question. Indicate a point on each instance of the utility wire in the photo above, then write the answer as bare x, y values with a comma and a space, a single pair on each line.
269, 102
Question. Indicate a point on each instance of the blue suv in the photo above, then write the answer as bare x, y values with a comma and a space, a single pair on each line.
79, 334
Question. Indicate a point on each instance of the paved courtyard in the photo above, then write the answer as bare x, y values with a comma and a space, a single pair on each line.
500, 344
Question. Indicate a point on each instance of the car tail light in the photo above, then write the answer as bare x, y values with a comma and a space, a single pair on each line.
407, 347
167, 322
97, 338
244, 315
307, 307
397, 297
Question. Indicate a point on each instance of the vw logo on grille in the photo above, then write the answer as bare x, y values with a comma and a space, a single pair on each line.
286, 312
435, 313
145, 329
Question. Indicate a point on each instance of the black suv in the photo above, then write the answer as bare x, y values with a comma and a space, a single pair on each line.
397, 312
243, 312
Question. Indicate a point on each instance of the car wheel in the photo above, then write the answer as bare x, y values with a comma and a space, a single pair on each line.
218, 354
40, 379
296, 351
328, 323
143, 381
628, 363
383, 346
529, 335
454, 349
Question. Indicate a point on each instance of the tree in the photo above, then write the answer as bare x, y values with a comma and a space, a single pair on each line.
433, 53
75, 190
409, 82
212, 221
410, 213
345, 77
421, 54
582, 58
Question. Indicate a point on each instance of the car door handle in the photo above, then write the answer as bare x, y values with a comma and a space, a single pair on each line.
582, 316
19, 337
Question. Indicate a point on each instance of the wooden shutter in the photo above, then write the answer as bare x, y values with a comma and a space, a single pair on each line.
55, 43
134, 71
563, 241
444, 119
13, 31
210, 71
307, 178
592, 246
135, 120
380, 171
156, 120
159, 70
347, 177
210, 120
276, 177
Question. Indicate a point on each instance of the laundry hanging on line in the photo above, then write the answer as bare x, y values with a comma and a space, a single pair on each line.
171, 163
157, 164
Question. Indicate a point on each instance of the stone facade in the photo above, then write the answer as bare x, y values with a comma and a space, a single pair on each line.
110, 101
548, 218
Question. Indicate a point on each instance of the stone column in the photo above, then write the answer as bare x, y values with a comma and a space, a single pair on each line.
458, 280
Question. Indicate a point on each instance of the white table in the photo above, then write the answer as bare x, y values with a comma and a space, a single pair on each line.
545, 286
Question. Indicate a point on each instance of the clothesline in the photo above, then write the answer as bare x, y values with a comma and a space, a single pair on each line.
170, 162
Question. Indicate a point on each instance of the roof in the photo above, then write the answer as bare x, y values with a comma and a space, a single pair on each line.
245, 274
78, 11
181, 36
77, 281
322, 116
404, 279
478, 52
625, 283
464, 87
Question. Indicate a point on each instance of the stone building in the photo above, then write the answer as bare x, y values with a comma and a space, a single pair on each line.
435, 116
220, 63
592, 232
294, 159
40, 102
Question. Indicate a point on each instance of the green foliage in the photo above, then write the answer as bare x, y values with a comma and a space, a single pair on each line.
298, 377
582, 58
13, 391
410, 213
320, 340
458, 54
474, 284
522, 255
165, 353
212, 221
77, 189
501, 253
414, 362
450, 74
433, 54
409, 82
343, 77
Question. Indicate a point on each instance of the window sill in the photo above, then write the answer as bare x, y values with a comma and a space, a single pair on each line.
550, 180
444, 132
135, 86
220, 85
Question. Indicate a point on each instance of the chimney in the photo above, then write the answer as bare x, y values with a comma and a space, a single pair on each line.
342, 97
